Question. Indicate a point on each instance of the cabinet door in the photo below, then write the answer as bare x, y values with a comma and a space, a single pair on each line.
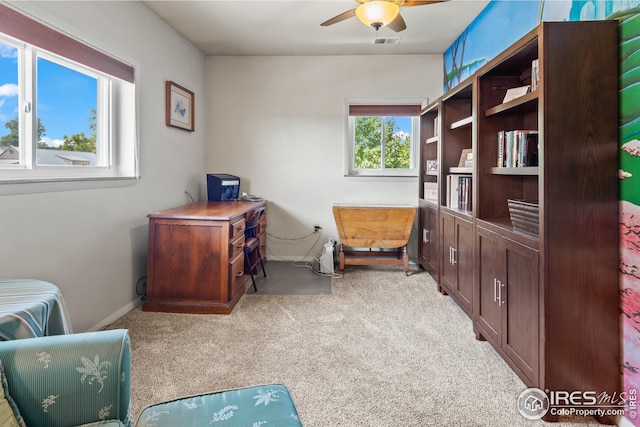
428, 246
188, 260
520, 339
447, 267
432, 237
423, 245
490, 268
463, 259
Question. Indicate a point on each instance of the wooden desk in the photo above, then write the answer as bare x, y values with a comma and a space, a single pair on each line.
374, 226
196, 259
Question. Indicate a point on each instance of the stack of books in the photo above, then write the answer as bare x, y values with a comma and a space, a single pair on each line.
459, 192
517, 148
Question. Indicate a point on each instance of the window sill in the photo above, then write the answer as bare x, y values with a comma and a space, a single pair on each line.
376, 174
382, 178
47, 185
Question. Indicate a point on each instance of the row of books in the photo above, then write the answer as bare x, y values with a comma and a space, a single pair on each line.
535, 75
459, 191
517, 148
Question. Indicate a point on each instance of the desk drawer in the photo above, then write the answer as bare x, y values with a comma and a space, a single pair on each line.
236, 247
236, 275
237, 229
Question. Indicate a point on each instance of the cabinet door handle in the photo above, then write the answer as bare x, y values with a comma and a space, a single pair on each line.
453, 256
450, 255
500, 286
495, 290
428, 236
240, 274
424, 235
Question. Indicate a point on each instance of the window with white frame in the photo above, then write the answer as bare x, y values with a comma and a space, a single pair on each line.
67, 111
382, 140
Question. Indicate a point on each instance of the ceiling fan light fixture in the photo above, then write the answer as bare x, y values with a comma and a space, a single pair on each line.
377, 13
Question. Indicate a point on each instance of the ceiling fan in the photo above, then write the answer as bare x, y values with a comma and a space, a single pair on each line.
379, 13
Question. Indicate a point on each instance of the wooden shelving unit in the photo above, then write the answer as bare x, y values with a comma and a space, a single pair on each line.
545, 296
555, 320
428, 248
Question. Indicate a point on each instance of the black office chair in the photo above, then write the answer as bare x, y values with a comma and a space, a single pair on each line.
252, 246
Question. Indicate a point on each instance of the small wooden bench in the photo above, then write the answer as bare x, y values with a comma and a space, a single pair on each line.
367, 233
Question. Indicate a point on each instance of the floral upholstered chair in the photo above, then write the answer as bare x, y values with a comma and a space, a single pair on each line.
67, 380
84, 380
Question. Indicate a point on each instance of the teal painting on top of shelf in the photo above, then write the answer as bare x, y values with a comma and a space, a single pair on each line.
499, 24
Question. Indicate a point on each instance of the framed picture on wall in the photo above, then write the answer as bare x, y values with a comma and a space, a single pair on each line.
180, 107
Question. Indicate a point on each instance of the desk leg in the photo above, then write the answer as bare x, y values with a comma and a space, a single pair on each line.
341, 257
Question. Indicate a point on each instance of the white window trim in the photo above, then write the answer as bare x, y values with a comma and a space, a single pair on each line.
350, 171
123, 158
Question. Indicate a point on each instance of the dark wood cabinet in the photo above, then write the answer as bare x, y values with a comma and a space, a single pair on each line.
507, 306
196, 258
556, 272
456, 262
428, 245
488, 305
534, 261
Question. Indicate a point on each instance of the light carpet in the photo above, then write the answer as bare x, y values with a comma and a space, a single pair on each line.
383, 349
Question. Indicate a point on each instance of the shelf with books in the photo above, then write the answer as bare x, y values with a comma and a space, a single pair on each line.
429, 161
517, 148
459, 192
507, 149
456, 145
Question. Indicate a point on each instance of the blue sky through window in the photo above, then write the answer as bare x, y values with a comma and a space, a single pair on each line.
8, 85
404, 124
65, 100
65, 97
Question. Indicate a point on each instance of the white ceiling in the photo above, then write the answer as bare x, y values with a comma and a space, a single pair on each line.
292, 27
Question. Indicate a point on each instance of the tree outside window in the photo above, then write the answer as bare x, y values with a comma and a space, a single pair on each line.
381, 139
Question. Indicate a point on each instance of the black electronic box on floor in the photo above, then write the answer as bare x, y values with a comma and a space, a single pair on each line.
221, 187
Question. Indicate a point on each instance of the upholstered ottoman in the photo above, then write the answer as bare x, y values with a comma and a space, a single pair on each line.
270, 405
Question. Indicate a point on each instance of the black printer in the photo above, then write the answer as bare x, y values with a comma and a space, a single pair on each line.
221, 187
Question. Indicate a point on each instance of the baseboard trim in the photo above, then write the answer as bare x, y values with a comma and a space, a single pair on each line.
115, 316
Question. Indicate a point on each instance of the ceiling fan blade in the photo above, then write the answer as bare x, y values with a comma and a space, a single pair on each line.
345, 15
409, 3
397, 24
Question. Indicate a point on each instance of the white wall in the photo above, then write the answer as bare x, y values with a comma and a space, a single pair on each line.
279, 124
93, 243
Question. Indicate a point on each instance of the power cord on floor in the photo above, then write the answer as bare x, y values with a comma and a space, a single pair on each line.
314, 264
298, 239
141, 287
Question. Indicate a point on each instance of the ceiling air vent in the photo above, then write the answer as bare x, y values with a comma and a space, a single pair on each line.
386, 40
